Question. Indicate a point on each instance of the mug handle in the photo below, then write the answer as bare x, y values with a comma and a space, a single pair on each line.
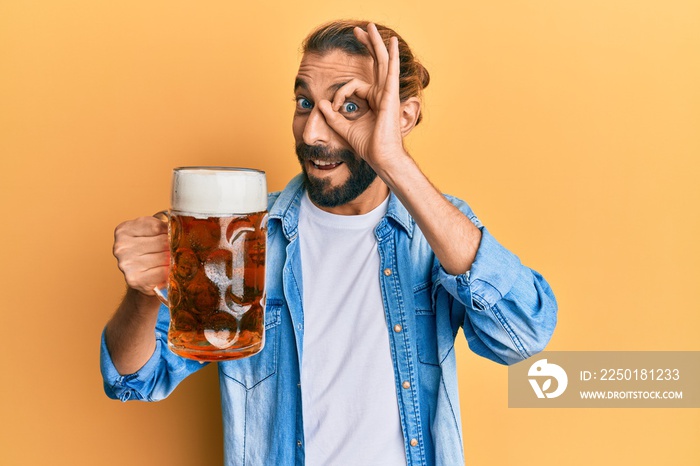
160, 292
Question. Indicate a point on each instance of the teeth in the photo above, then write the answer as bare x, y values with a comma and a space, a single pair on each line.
321, 163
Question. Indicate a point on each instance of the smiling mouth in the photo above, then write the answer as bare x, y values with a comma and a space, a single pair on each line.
325, 165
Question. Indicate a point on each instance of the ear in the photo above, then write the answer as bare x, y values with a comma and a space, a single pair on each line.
410, 111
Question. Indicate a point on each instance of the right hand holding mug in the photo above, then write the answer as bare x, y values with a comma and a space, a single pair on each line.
142, 251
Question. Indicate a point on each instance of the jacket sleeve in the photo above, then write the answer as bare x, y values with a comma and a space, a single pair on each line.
507, 311
157, 378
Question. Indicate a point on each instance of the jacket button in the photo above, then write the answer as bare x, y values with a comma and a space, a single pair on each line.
299, 443
387, 272
406, 384
397, 328
414, 442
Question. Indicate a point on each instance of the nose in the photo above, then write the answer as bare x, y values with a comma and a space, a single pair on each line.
316, 129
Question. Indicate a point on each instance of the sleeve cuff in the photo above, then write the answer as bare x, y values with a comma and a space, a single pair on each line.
492, 275
131, 386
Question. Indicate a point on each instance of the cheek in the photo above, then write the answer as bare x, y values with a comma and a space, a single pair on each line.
298, 124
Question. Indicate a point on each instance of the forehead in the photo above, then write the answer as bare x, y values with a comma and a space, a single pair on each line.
323, 72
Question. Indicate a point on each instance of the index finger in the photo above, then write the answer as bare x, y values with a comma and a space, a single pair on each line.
142, 226
352, 87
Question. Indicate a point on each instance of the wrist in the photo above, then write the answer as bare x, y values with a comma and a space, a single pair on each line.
140, 301
393, 167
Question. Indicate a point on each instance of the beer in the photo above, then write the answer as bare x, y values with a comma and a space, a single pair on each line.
216, 284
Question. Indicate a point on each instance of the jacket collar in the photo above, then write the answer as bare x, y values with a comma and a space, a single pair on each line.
286, 209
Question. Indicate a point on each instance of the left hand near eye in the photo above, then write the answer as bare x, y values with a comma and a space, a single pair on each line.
376, 135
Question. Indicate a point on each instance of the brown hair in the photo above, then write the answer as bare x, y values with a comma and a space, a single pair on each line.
413, 77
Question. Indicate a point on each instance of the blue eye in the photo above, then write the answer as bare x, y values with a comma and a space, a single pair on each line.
350, 107
304, 103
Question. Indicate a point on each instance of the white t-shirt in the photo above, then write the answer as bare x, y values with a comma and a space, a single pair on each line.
350, 409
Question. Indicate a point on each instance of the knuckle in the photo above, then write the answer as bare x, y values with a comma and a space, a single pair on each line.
131, 282
120, 249
124, 265
123, 228
119, 230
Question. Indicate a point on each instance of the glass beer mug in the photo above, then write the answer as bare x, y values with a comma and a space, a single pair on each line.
217, 229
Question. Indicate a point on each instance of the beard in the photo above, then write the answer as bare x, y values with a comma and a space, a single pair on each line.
320, 190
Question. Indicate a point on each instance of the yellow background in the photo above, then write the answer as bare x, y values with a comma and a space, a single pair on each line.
571, 127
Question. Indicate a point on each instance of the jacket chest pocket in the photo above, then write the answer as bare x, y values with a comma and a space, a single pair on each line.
253, 370
426, 327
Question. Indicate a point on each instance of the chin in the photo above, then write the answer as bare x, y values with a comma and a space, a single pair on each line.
324, 193
335, 186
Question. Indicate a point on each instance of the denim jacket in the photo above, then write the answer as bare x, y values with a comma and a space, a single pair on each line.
506, 310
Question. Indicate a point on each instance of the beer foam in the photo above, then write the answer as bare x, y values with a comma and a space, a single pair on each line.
215, 191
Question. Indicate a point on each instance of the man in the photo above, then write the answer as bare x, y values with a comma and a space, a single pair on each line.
370, 274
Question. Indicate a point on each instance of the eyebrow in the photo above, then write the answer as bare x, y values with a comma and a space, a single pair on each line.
337, 86
299, 83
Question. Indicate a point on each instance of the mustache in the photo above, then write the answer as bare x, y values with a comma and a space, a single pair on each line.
324, 154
